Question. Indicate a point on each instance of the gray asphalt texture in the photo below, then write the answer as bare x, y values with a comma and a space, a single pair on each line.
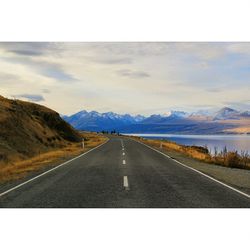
95, 180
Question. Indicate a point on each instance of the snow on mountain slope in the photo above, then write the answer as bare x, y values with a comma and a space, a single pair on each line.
226, 114
95, 121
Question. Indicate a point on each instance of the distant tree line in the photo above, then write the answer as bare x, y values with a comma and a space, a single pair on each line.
112, 132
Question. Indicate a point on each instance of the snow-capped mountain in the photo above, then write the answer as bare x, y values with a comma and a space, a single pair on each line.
199, 122
201, 115
226, 114
177, 114
95, 121
139, 118
166, 117
222, 114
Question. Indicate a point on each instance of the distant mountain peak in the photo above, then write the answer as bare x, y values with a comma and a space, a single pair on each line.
96, 121
226, 113
139, 118
174, 113
82, 112
227, 109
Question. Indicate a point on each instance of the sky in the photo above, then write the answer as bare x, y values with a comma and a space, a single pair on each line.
127, 77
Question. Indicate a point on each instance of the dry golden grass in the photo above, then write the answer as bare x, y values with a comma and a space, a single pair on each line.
21, 168
199, 153
27, 129
223, 158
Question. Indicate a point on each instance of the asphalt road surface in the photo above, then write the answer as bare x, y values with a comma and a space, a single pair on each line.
122, 173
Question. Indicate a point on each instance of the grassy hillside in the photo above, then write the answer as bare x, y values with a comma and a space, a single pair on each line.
28, 129
33, 136
50, 158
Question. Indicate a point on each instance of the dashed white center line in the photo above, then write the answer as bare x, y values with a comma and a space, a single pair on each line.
122, 148
123, 153
125, 182
123, 162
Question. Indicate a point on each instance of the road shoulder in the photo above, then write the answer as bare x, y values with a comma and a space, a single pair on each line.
237, 178
46, 168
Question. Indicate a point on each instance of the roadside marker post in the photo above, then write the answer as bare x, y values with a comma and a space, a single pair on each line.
161, 145
83, 143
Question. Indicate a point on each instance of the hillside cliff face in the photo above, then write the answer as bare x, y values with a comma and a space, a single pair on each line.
27, 129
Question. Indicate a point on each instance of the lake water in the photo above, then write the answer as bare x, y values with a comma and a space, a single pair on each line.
232, 142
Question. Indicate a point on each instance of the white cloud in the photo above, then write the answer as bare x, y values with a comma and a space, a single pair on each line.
125, 77
30, 97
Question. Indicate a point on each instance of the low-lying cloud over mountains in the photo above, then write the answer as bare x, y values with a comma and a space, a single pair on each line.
225, 120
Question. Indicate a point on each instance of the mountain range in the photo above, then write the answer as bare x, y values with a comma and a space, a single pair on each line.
225, 120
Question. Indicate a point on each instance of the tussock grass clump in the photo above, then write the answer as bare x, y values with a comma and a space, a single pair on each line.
231, 159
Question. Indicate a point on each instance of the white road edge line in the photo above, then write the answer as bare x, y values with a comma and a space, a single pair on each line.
195, 170
46, 172
125, 182
123, 162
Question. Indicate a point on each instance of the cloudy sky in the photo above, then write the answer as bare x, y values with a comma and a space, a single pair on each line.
131, 78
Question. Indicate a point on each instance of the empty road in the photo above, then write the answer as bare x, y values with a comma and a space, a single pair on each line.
122, 173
